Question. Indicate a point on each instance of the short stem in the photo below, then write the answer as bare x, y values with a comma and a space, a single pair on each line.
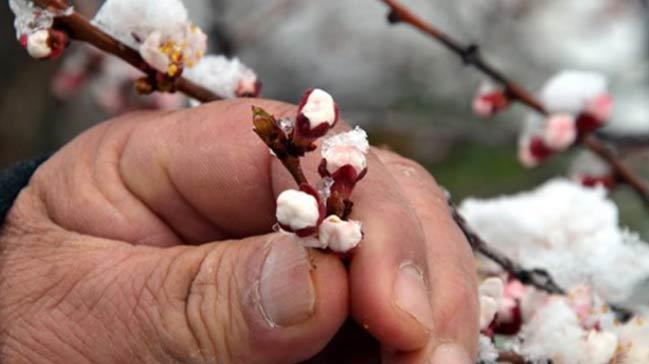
293, 166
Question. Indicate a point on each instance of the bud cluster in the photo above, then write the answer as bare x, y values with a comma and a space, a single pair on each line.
317, 214
578, 103
34, 29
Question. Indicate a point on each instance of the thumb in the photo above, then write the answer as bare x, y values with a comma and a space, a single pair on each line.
260, 300
263, 299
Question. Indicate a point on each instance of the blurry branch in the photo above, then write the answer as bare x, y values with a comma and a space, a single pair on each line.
470, 55
538, 278
79, 28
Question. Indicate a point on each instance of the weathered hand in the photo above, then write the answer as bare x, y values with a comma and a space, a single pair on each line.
148, 239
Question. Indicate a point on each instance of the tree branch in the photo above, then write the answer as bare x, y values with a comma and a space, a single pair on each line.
470, 55
538, 278
79, 28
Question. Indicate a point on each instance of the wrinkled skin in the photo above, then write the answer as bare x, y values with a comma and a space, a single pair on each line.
143, 239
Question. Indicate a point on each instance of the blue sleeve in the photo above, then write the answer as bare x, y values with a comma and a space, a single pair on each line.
13, 180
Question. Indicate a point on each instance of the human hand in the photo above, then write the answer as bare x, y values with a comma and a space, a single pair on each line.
148, 239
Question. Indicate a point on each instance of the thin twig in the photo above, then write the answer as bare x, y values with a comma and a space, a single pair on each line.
470, 55
79, 28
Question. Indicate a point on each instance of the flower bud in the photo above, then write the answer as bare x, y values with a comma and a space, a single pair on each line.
297, 210
489, 100
317, 113
491, 293
38, 44
339, 235
560, 132
532, 151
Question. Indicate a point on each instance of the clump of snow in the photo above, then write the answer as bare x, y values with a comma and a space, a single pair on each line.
570, 91
159, 30
347, 148
489, 99
356, 138
554, 332
131, 21
571, 231
31, 18
223, 76
487, 352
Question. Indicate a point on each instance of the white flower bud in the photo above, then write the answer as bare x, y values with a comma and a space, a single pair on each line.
37, 44
491, 292
346, 149
319, 108
340, 236
297, 210
560, 132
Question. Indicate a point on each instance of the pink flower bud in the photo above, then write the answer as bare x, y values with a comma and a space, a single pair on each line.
597, 112
600, 107
489, 100
346, 149
317, 113
297, 210
338, 235
560, 132
533, 151
489, 104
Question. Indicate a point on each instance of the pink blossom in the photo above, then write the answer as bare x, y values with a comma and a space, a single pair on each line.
560, 132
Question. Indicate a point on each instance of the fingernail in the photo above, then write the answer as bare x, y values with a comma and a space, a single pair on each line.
412, 295
450, 354
286, 291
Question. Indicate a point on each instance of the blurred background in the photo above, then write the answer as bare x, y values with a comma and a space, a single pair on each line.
408, 92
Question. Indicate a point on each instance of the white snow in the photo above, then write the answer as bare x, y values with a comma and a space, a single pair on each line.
221, 75
570, 91
569, 230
